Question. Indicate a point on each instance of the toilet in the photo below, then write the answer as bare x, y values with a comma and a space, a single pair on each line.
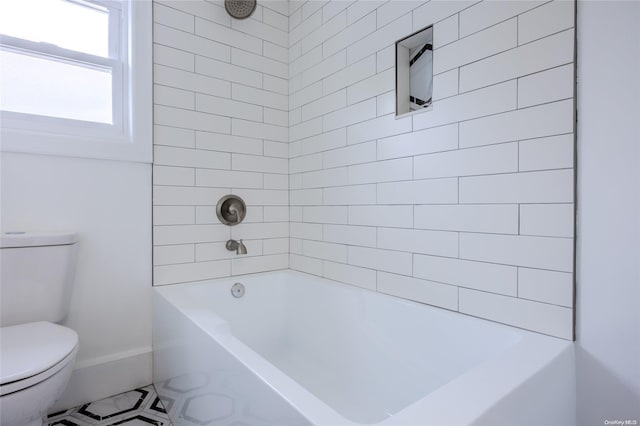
36, 276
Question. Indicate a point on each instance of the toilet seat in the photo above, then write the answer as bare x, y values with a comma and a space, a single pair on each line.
33, 352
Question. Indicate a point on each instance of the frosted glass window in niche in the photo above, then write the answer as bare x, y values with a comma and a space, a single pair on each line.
414, 72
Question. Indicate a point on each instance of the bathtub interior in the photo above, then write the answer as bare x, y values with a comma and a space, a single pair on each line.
364, 354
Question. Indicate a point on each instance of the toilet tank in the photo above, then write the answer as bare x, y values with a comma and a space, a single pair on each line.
36, 276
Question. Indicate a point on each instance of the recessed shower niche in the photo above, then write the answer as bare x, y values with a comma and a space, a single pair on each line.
414, 72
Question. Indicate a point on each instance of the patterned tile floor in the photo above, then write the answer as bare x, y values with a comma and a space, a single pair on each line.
139, 407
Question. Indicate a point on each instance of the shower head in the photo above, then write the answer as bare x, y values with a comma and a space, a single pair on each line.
240, 9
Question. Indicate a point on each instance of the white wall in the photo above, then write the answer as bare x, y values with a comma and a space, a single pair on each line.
468, 206
608, 219
108, 203
221, 126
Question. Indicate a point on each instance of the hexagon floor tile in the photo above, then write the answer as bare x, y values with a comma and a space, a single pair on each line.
138, 407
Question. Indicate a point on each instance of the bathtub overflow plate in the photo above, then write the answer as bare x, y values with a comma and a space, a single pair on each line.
237, 290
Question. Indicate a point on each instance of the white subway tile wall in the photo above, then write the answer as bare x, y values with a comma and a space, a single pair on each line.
221, 120
468, 206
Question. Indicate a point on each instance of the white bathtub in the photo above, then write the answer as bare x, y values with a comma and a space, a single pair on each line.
301, 350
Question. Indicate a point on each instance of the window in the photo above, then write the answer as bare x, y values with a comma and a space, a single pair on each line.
76, 77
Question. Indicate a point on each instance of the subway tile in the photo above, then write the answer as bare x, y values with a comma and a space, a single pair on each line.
445, 84
305, 197
392, 10
350, 195
494, 219
259, 63
206, 215
352, 114
431, 191
305, 129
170, 255
443, 138
187, 157
352, 33
326, 31
186, 196
250, 95
311, 7
360, 277
324, 69
305, 163
253, 163
360, 9
379, 39
175, 58
386, 58
185, 80
436, 10
250, 265
541, 317
179, 176
186, 272
554, 152
487, 13
228, 143
177, 117
173, 18
554, 186
325, 251
306, 95
333, 8
350, 75
350, 235
438, 243
305, 264
218, 251
381, 171
279, 6
225, 71
275, 246
275, 84
386, 103
545, 20
325, 141
172, 136
276, 181
295, 116
543, 54
228, 178
546, 286
276, 116
378, 128
352, 154
325, 214
189, 234
493, 40
305, 28
173, 215
534, 252
485, 160
254, 231
228, 107
445, 32
276, 149
203, 9
381, 260
547, 86
305, 61
276, 213
307, 231
252, 129
429, 292
324, 178
372, 86
528, 123
482, 276
190, 43
169, 96
392, 216
276, 19
228, 36
262, 30
488, 101
324, 105
547, 220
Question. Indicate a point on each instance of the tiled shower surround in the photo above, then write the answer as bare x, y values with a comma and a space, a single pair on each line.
468, 206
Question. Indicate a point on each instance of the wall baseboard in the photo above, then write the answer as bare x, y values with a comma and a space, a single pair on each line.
106, 376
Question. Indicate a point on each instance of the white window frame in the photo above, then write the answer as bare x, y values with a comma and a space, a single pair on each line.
130, 136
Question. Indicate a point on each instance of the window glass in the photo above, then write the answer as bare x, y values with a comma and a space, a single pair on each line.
73, 25
41, 86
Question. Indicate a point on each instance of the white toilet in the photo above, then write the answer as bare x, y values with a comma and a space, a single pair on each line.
37, 356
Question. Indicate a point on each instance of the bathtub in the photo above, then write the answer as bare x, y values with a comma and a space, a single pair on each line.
297, 349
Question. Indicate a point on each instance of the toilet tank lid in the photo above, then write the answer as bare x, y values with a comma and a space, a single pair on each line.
31, 348
35, 239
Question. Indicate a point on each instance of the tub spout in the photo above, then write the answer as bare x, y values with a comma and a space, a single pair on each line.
238, 246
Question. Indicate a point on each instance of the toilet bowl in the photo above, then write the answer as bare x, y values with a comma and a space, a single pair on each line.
36, 355
37, 359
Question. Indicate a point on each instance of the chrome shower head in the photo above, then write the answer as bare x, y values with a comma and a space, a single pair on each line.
240, 9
